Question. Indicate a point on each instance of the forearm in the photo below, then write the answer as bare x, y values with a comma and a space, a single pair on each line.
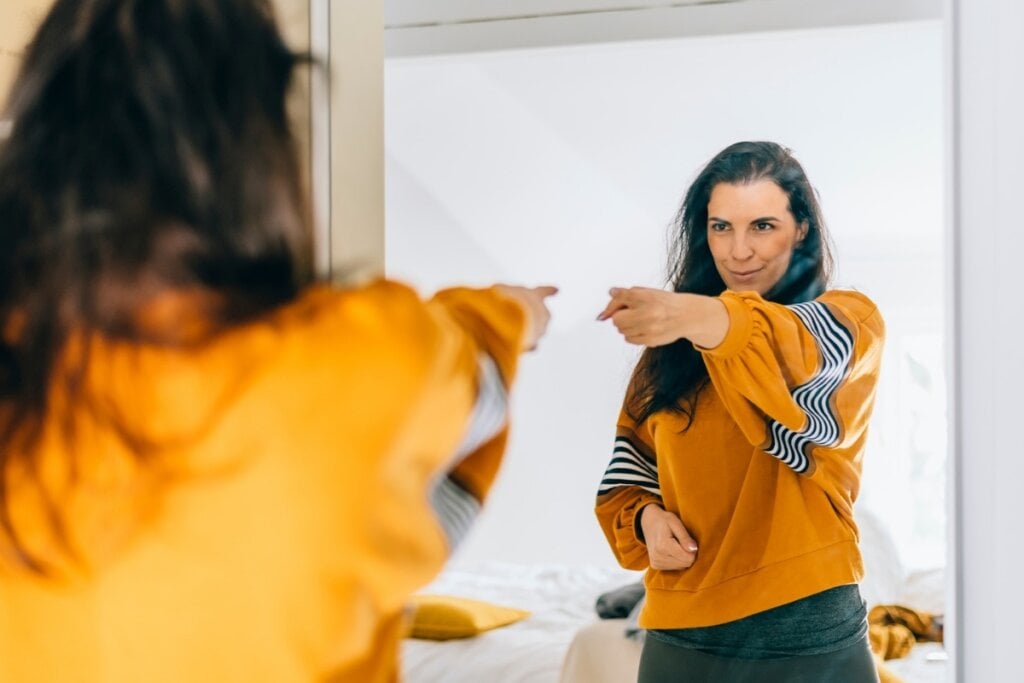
703, 320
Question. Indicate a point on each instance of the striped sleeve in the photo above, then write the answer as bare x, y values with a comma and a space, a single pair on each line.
631, 465
798, 378
630, 482
815, 397
454, 503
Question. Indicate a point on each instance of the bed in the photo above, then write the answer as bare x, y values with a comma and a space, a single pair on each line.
561, 602
563, 641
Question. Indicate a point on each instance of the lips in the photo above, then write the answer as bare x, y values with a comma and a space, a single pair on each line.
745, 274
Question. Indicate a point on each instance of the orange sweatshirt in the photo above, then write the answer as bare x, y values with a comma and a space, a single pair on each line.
311, 470
766, 476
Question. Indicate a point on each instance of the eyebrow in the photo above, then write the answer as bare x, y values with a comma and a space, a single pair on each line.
762, 219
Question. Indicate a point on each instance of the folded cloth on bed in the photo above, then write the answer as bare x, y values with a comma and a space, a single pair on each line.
620, 602
444, 617
894, 629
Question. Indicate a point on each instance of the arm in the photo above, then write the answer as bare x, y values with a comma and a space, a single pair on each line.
654, 317
460, 489
800, 380
441, 371
630, 483
793, 377
639, 530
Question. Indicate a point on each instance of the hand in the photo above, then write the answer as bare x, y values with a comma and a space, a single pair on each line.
650, 317
669, 544
532, 299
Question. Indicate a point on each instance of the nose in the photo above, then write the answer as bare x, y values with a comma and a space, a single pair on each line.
740, 249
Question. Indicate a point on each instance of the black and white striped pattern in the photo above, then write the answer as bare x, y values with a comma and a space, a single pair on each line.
835, 344
490, 411
456, 508
630, 467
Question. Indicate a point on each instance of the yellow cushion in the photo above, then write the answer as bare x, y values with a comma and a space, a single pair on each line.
442, 617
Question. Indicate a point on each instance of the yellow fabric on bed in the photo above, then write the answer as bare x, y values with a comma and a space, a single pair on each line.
443, 617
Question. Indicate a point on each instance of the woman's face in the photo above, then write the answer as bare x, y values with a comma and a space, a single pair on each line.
752, 234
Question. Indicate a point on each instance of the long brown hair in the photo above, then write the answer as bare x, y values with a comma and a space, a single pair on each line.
670, 377
150, 152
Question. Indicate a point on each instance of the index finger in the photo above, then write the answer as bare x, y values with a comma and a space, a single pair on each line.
611, 309
615, 304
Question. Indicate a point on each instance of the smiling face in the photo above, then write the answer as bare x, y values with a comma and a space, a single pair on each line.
751, 234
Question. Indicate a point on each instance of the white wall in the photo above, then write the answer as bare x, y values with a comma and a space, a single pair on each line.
989, 244
18, 22
566, 165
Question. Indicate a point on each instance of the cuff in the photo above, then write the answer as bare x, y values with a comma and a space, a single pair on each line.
741, 326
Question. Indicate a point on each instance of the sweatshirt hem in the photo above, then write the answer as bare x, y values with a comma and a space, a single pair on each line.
742, 596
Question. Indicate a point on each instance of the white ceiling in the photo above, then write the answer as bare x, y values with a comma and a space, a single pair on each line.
403, 13
414, 28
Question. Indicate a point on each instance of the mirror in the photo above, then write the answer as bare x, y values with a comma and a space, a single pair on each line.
562, 158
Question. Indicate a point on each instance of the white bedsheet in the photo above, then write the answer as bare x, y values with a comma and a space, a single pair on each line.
560, 598
920, 666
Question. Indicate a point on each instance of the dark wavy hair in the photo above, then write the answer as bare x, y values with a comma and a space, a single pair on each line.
670, 377
150, 152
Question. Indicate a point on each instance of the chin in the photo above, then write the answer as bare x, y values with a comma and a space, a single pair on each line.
747, 287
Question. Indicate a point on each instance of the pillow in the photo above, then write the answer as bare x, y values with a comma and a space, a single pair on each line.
618, 603
443, 617
883, 570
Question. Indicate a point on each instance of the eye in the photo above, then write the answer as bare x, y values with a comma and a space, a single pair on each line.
719, 227
762, 226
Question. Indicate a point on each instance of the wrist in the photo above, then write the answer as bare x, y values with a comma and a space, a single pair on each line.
683, 315
638, 529
704, 320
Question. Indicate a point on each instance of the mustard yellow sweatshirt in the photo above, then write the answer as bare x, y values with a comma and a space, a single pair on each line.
304, 474
766, 476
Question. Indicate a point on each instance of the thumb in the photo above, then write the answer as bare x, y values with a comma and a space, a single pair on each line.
681, 534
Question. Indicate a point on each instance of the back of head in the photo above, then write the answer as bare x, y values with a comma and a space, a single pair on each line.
151, 149
150, 153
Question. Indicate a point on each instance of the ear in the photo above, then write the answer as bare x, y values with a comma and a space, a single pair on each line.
801, 232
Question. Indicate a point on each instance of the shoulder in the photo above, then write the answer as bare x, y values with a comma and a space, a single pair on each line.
856, 307
384, 324
859, 315
379, 307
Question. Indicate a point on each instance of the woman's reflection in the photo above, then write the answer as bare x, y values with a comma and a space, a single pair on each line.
738, 451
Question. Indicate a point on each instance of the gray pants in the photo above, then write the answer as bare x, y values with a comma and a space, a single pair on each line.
664, 663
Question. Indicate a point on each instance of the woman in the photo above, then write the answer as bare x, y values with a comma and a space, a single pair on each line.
738, 450
213, 468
